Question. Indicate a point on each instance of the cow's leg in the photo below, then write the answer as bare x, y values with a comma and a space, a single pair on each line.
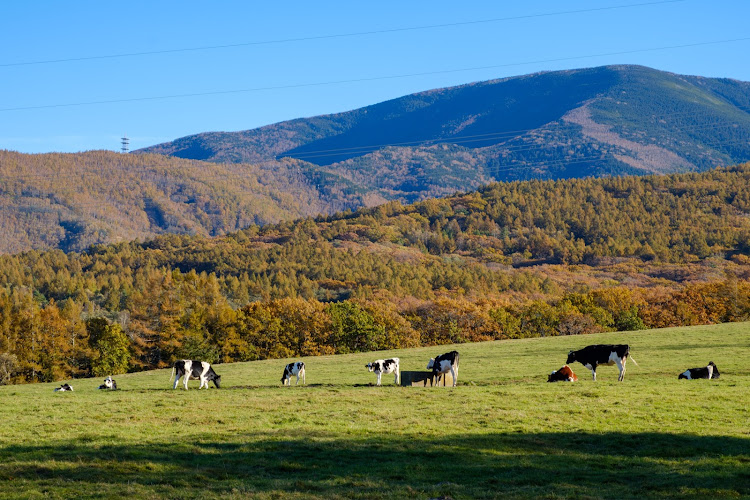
593, 372
379, 378
395, 380
204, 382
454, 374
621, 366
304, 381
187, 377
176, 381
290, 381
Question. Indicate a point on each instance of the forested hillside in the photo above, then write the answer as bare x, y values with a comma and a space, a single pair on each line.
610, 120
72, 201
511, 260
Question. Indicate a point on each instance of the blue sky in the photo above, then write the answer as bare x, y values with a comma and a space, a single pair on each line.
48, 30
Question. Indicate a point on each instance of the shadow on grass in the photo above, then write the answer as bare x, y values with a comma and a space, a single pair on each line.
462, 466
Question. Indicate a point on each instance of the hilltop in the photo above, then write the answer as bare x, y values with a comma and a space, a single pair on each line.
610, 120
73, 201
607, 121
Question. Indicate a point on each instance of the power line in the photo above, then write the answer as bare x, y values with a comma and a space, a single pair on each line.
361, 150
240, 176
370, 79
338, 35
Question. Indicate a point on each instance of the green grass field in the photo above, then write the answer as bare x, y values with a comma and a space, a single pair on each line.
502, 433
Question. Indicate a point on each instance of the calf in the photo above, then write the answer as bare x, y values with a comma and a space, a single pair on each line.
564, 374
444, 363
292, 369
109, 383
382, 366
64, 388
191, 369
606, 354
707, 372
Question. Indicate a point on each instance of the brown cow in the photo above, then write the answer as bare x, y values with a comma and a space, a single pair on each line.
564, 374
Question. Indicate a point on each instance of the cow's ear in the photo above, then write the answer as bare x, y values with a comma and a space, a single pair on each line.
570, 352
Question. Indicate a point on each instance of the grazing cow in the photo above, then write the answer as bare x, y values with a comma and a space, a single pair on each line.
595, 355
707, 372
564, 374
109, 383
191, 369
444, 363
382, 366
64, 388
292, 369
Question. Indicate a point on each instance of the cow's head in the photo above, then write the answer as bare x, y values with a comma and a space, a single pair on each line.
369, 366
431, 364
571, 357
217, 381
551, 376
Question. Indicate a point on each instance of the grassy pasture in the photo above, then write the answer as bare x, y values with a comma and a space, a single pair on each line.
504, 432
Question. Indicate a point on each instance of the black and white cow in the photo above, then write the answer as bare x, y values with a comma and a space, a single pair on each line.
707, 372
64, 388
191, 369
444, 363
291, 370
109, 383
602, 354
382, 366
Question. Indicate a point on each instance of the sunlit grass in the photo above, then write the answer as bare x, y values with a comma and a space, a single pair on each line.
504, 432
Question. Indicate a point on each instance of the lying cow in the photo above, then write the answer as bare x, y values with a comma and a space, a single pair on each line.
109, 383
707, 372
382, 366
564, 374
602, 354
444, 363
291, 370
191, 369
64, 388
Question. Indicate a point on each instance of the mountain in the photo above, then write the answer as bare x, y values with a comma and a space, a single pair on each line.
72, 201
603, 121
609, 120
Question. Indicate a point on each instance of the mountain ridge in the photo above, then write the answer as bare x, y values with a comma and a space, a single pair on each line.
607, 120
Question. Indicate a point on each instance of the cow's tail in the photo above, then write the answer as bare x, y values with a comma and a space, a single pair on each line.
632, 359
173, 371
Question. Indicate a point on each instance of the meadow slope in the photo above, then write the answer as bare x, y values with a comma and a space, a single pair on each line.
503, 432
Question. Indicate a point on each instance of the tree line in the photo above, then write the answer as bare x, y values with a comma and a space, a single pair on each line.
511, 260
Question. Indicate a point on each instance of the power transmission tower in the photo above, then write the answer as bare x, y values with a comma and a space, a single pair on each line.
125, 143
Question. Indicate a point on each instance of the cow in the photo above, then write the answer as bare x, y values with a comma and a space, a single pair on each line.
192, 369
444, 363
109, 383
382, 366
602, 354
707, 372
292, 369
564, 374
64, 388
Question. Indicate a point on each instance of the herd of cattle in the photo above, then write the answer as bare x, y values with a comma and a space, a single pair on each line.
591, 357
